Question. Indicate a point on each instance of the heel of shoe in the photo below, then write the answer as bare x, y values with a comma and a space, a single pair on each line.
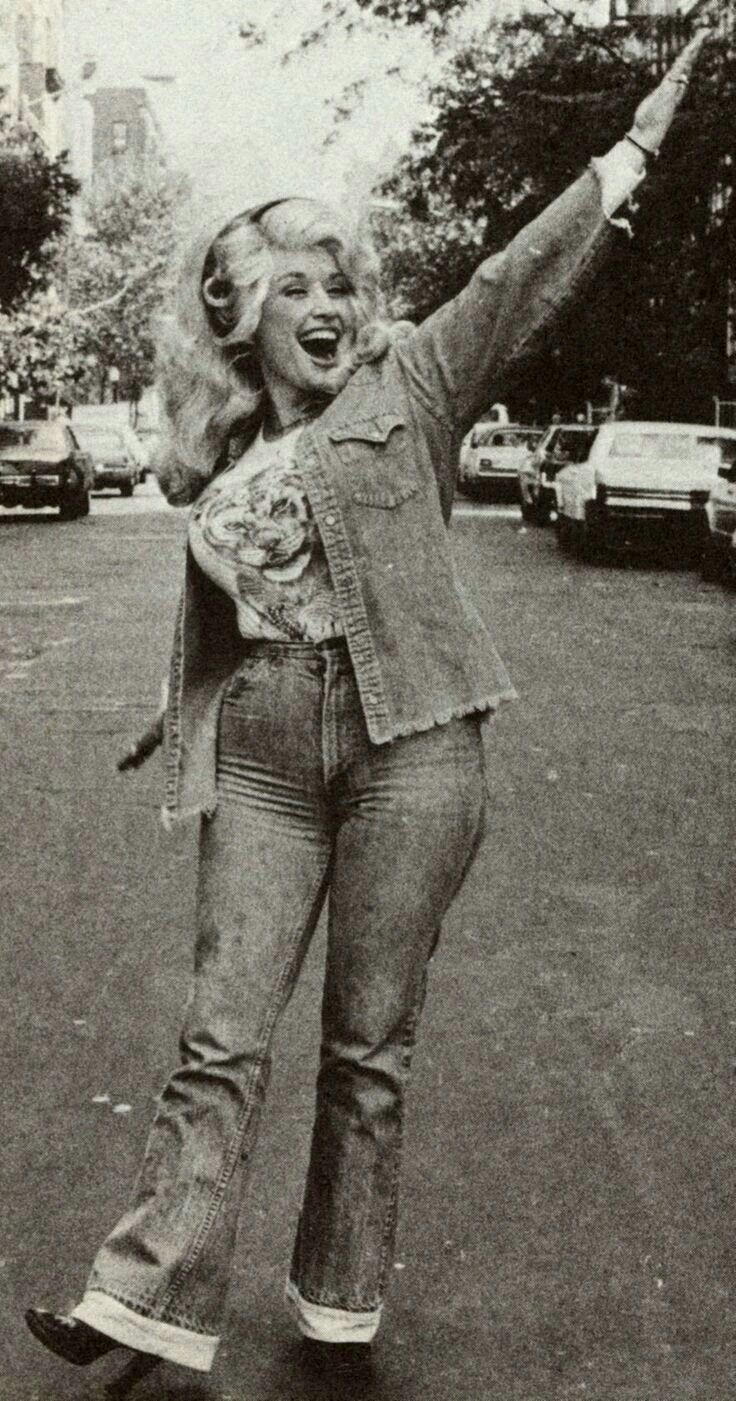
79, 1343
68, 1337
140, 1366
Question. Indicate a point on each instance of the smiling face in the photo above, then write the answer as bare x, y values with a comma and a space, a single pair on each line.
307, 329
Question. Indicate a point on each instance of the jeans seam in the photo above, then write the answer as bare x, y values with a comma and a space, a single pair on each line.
232, 1153
329, 746
408, 1042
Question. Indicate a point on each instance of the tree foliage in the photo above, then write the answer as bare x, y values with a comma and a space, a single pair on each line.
107, 279
116, 274
35, 197
514, 122
42, 349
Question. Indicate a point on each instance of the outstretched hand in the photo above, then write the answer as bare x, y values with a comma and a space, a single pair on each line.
143, 746
654, 115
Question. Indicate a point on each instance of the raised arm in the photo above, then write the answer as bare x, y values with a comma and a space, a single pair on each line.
454, 359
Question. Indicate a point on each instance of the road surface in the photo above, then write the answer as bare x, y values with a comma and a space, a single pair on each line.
567, 1202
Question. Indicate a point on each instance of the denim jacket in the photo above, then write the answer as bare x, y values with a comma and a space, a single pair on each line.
379, 469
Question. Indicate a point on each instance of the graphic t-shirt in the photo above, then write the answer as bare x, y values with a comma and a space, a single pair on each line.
252, 532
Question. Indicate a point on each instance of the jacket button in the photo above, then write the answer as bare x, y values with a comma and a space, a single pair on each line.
329, 520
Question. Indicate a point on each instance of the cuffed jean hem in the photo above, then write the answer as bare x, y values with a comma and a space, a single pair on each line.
330, 1325
134, 1330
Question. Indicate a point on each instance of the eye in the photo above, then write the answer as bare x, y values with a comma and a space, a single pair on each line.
294, 290
340, 289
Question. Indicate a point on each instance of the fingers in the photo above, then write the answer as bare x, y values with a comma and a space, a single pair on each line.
131, 760
682, 68
654, 115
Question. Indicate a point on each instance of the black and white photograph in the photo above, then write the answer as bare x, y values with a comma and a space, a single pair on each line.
367, 679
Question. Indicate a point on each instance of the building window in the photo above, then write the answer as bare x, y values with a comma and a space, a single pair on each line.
119, 137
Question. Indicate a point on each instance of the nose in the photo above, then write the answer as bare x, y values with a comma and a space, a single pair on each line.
320, 301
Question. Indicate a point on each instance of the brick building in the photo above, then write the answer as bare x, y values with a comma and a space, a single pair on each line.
124, 127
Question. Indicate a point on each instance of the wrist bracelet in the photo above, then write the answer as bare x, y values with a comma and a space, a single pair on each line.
644, 149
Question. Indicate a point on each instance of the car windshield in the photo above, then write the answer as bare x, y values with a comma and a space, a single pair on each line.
99, 440
725, 447
506, 437
673, 446
574, 443
41, 437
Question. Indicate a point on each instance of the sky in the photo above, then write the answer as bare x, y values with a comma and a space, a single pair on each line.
243, 125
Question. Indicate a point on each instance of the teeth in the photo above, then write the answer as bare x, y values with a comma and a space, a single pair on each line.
320, 339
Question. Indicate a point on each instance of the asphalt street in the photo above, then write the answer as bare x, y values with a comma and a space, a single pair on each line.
567, 1199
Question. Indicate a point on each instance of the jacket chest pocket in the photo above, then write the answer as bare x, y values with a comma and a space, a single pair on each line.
377, 461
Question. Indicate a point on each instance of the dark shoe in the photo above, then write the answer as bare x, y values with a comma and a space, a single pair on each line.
81, 1344
69, 1338
337, 1359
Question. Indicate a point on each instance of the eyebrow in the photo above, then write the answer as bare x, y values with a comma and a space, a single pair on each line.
298, 273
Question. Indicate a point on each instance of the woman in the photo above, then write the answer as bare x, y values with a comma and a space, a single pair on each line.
327, 689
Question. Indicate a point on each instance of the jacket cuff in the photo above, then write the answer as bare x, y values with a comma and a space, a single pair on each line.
619, 173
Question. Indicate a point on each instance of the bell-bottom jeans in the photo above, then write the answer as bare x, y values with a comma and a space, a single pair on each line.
308, 809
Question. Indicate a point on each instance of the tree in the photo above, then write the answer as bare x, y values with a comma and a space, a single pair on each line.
115, 276
35, 196
42, 349
101, 286
515, 115
513, 122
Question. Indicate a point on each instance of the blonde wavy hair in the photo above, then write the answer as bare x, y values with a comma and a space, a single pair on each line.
208, 374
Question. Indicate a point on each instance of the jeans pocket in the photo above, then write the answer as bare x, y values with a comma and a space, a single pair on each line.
241, 680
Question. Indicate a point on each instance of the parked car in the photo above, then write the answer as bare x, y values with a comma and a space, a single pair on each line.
116, 458
491, 453
42, 464
560, 444
642, 482
720, 514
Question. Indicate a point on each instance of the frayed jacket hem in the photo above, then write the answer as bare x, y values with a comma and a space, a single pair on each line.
171, 817
421, 723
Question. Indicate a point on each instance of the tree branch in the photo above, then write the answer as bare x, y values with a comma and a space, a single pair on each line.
82, 311
597, 38
106, 302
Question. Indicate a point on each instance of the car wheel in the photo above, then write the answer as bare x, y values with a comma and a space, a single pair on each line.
74, 505
566, 534
711, 563
126, 489
591, 545
533, 513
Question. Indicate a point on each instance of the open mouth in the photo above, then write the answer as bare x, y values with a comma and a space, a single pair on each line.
321, 346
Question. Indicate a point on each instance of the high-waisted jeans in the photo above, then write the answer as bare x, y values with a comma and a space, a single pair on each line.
307, 808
